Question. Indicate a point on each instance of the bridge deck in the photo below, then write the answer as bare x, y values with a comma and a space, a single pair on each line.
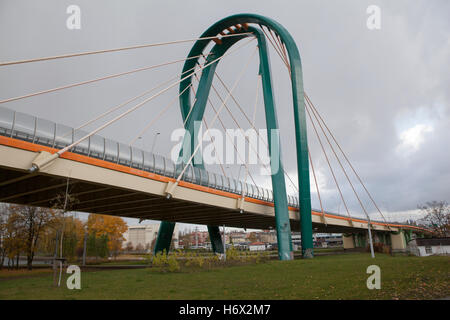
110, 178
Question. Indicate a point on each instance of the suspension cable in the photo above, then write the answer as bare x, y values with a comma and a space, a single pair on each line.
239, 126
328, 161
125, 103
253, 122
209, 133
317, 185
273, 45
337, 158
171, 103
277, 41
217, 114
345, 156
70, 55
147, 100
76, 84
249, 121
228, 136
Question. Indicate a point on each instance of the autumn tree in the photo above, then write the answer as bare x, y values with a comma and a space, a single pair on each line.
109, 226
3, 217
437, 217
14, 240
73, 241
24, 226
252, 237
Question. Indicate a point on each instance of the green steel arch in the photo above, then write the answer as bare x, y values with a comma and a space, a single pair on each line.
239, 24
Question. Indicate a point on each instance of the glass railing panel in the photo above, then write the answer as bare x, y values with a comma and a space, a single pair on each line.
188, 173
239, 187
96, 146
248, 190
45, 132
149, 162
260, 192
63, 136
6, 121
136, 158
111, 151
212, 180
160, 166
23, 127
215, 180
233, 186
170, 168
204, 178
124, 154
197, 175
83, 146
265, 194
220, 181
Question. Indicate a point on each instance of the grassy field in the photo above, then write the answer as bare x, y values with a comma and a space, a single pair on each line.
325, 277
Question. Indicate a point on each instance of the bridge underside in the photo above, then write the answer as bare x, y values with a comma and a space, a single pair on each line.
106, 188
42, 190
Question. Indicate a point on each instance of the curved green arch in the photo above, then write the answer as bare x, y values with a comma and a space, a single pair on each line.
278, 183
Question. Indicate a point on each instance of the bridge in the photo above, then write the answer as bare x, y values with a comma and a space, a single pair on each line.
40, 159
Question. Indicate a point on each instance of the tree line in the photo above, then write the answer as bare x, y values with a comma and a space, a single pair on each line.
27, 231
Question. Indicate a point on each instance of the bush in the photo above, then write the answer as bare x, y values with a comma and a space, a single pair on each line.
187, 260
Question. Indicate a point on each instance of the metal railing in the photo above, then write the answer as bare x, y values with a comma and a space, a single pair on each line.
47, 133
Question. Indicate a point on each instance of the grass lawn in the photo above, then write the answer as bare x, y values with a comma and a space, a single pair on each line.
324, 277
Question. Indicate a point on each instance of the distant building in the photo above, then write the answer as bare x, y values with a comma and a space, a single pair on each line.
267, 236
325, 240
427, 247
143, 236
198, 238
237, 237
257, 246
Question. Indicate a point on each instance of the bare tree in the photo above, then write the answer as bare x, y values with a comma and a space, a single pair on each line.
32, 220
129, 246
437, 217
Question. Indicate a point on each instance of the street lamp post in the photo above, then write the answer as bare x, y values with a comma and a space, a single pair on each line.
239, 175
142, 141
224, 245
154, 140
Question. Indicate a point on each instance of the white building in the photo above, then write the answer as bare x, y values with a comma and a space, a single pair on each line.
144, 235
257, 246
426, 247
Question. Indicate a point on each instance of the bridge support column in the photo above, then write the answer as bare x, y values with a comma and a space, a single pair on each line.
216, 240
398, 241
164, 238
348, 241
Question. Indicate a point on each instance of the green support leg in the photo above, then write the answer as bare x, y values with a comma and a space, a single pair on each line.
279, 188
278, 182
164, 238
216, 239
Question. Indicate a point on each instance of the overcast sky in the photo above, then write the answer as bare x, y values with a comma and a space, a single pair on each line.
384, 93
